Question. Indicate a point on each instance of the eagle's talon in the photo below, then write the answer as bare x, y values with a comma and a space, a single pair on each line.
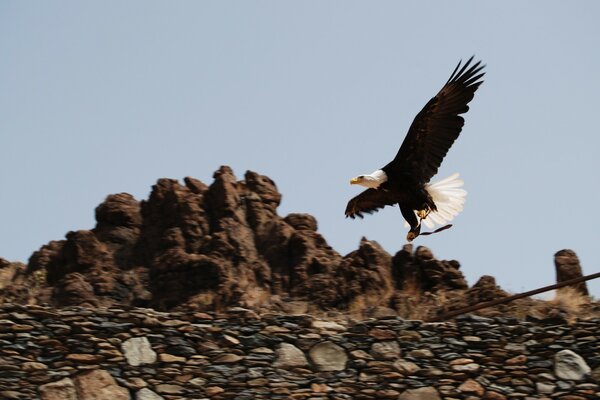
423, 213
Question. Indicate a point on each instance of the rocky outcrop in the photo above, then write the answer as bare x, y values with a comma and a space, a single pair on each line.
485, 289
17, 283
205, 247
193, 246
9, 271
419, 270
567, 267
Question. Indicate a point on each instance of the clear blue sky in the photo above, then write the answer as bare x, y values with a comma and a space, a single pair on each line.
103, 97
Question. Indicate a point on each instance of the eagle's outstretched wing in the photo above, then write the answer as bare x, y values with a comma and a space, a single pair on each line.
369, 201
437, 125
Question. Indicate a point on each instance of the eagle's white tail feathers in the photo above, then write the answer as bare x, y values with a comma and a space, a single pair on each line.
449, 198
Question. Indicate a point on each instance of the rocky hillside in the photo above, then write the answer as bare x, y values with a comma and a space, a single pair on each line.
194, 246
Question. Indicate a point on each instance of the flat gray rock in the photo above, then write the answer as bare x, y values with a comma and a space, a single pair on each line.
570, 365
328, 356
138, 351
289, 356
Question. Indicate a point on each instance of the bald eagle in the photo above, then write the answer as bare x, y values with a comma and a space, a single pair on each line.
405, 180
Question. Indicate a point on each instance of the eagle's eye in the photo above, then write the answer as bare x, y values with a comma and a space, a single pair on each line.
361, 177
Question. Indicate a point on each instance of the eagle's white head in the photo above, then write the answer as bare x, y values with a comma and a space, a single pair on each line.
372, 180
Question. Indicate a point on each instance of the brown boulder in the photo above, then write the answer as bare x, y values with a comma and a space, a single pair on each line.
45, 258
421, 271
363, 279
98, 384
118, 226
568, 267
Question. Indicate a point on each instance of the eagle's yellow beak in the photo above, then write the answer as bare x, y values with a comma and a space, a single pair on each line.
354, 181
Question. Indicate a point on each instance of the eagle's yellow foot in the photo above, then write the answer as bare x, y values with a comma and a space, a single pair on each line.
411, 236
423, 213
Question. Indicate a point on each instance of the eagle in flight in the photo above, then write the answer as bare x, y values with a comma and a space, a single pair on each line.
405, 180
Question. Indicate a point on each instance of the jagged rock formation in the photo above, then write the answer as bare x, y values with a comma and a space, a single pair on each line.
202, 246
194, 246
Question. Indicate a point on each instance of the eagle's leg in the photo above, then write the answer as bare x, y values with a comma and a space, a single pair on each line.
427, 204
411, 218
424, 212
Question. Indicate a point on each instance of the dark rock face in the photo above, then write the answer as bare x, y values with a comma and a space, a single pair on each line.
118, 225
421, 271
567, 267
485, 290
204, 247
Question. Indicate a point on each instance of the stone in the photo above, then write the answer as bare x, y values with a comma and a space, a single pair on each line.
424, 393
328, 356
230, 340
387, 394
197, 382
461, 361
258, 382
170, 358
169, 389
470, 367
213, 390
518, 360
387, 350
21, 328
289, 356
570, 365
493, 395
262, 350
473, 387
12, 395
228, 359
84, 358
544, 387
328, 325
421, 353
135, 383
406, 367
99, 385
63, 389
138, 351
382, 334
361, 354
33, 367
147, 394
